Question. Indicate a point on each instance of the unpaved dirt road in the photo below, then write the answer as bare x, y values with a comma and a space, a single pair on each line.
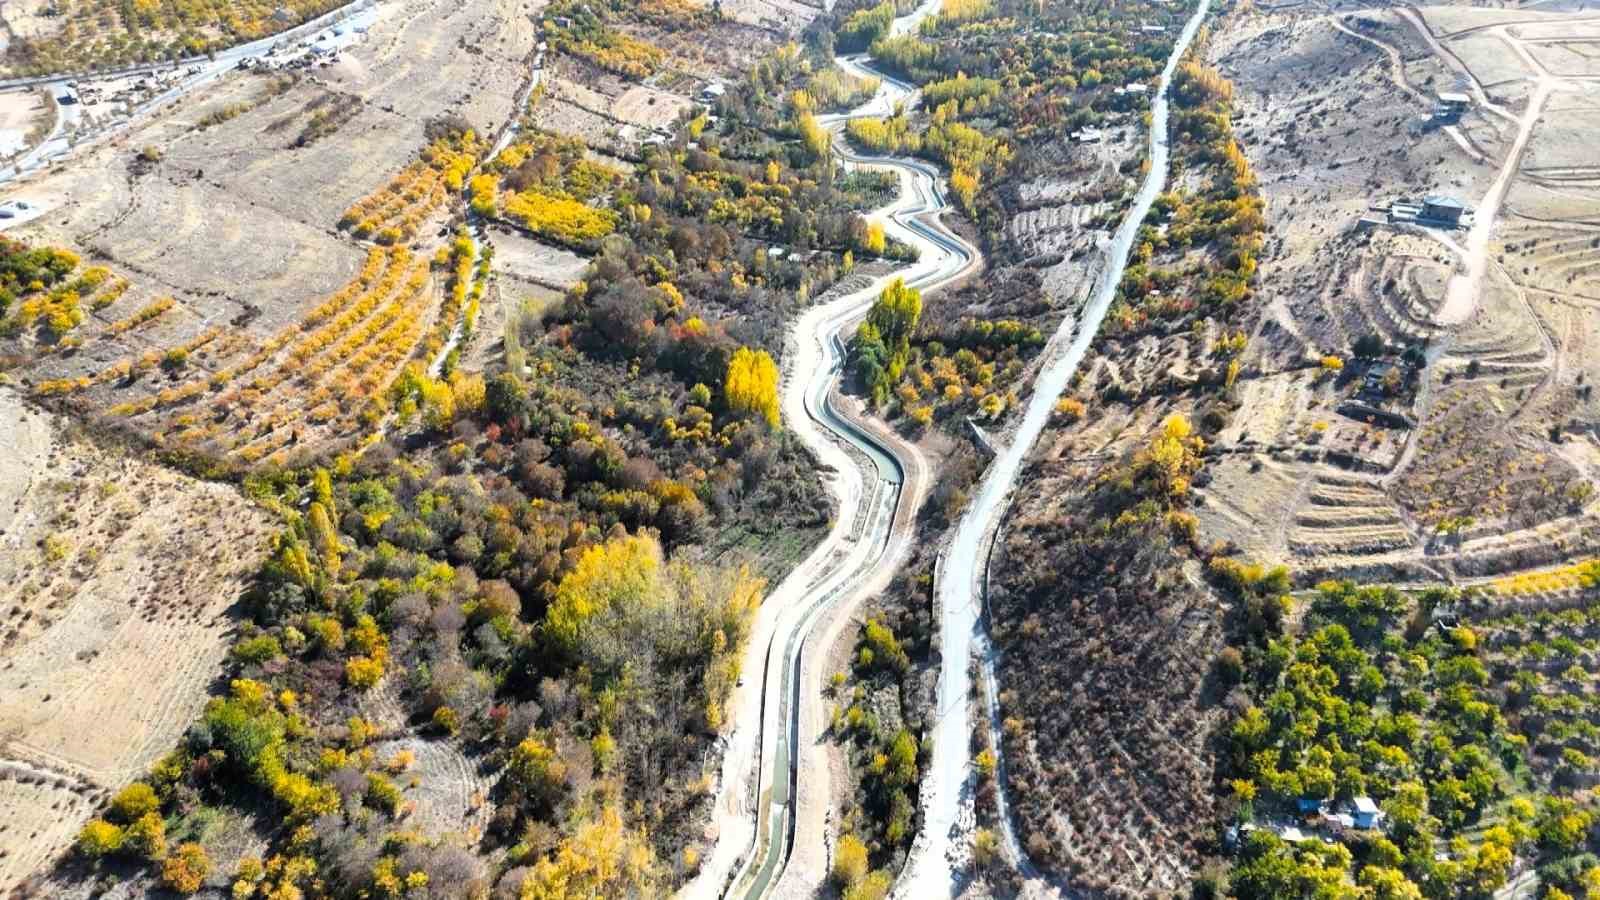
932, 870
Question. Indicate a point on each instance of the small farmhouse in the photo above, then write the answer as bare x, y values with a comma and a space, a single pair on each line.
1443, 209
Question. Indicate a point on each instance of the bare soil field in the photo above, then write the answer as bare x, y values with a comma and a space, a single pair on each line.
1065, 204
528, 260
117, 579
649, 107
610, 114
23, 115
779, 15
1373, 491
450, 794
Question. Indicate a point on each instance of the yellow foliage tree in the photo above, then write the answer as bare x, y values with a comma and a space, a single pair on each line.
744, 599
1173, 456
555, 215
186, 869
621, 571
814, 137
752, 384
875, 242
603, 859
468, 391
324, 536
849, 862
964, 184
438, 405
485, 193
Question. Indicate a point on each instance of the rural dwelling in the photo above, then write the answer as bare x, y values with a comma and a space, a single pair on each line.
1366, 812
1444, 209
1452, 103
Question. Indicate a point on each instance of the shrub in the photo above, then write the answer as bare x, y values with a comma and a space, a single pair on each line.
873, 887
257, 650
1070, 409
186, 869
134, 801
363, 672
99, 838
148, 836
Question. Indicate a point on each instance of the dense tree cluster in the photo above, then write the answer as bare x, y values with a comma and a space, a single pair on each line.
882, 343
860, 29
875, 717
508, 583
1370, 695
513, 574
952, 364
38, 296
1223, 217
1012, 76
588, 31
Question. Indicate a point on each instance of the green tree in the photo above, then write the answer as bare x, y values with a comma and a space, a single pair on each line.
896, 312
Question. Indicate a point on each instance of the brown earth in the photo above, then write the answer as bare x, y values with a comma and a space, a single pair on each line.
118, 576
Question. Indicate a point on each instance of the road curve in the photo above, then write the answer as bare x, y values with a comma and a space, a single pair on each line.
872, 476
931, 871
